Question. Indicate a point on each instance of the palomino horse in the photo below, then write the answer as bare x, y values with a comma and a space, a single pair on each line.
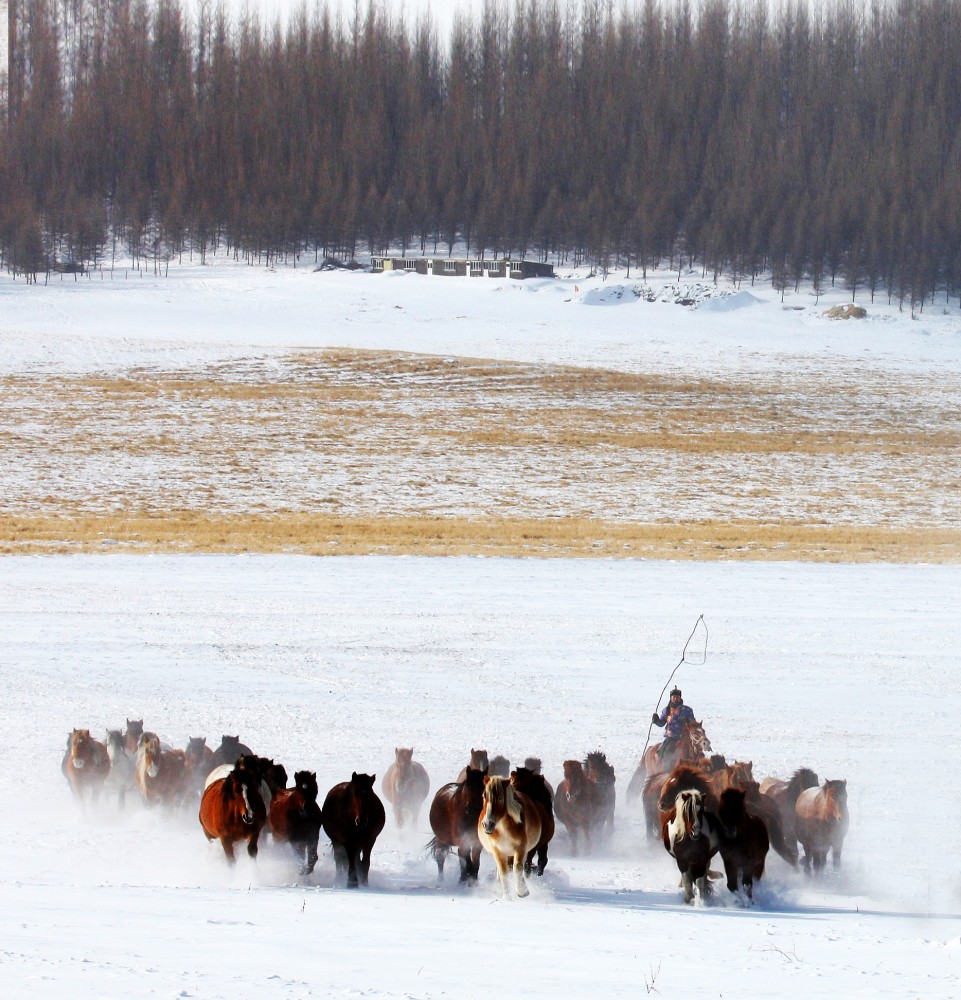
353, 817
691, 835
509, 829
405, 786
692, 746
232, 810
538, 791
576, 804
295, 818
229, 750
85, 765
784, 794
821, 822
159, 773
478, 761
132, 734
121, 778
601, 773
453, 818
744, 842
198, 763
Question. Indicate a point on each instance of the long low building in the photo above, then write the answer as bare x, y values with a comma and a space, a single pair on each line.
464, 268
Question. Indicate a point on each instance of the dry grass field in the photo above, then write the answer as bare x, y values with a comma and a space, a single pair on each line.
360, 452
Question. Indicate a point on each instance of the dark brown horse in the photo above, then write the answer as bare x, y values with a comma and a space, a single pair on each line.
198, 763
538, 791
85, 765
405, 786
232, 810
229, 750
534, 765
821, 821
273, 776
132, 734
478, 761
295, 818
691, 835
454, 813
500, 767
576, 804
744, 842
784, 794
598, 770
353, 817
159, 773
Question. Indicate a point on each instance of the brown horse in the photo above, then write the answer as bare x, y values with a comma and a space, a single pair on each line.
821, 821
500, 767
744, 842
538, 791
159, 773
353, 817
198, 763
232, 810
273, 776
229, 750
598, 770
692, 836
478, 761
295, 818
405, 786
784, 794
85, 765
534, 765
693, 745
576, 804
509, 829
132, 734
454, 813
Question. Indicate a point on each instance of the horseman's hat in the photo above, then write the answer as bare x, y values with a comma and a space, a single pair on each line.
676, 691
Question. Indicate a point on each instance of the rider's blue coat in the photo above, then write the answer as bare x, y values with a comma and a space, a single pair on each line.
674, 719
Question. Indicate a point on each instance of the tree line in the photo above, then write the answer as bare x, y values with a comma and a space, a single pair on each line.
805, 144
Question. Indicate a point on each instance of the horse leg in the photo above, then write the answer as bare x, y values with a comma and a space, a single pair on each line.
311, 855
399, 814
835, 855
228, 846
252, 844
688, 883
340, 862
519, 866
440, 856
352, 882
363, 863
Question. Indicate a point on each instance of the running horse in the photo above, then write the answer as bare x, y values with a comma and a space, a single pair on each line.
232, 810
821, 821
576, 804
479, 761
405, 786
692, 746
691, 835
121, 778
159, 773
85, 765
353, 817
198, 763
509, 829
132, 734
744, 842
295, 818
536, 788
598, 770
454, 813
784, 795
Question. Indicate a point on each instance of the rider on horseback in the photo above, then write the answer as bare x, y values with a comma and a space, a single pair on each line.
675, 716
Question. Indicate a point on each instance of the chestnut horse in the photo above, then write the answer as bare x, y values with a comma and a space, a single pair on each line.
509, 829
85, 765
691, 835
821, 821
405, 786
478, 761
232, 810
353, 817
132, 734
744, 842
692, 746
295, 818
159, 773
538, 791
576, 804
601, 773
454, 813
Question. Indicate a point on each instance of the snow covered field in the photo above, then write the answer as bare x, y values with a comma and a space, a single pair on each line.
330, 663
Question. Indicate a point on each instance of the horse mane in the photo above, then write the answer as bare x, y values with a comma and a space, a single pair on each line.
687, 815
802, 779
597, 761
500, 789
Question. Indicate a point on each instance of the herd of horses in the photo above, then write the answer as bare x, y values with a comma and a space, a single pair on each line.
693, 800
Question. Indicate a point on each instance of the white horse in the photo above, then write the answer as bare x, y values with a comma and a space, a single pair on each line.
509, 828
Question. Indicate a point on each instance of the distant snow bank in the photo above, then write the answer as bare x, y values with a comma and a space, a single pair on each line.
694, 295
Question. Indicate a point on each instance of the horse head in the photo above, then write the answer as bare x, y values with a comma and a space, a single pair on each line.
237, 789
149, 748
598, 769
698, 739
689, 811
500, 767
116, 747
836, 797
533, 764
78, 745
479, 760
361, 788
306, 783
574, 777
498, 801
196, 751
402, 758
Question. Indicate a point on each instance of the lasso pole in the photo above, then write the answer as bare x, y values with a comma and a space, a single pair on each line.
650, 725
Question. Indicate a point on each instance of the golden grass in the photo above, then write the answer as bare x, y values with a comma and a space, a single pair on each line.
186, 532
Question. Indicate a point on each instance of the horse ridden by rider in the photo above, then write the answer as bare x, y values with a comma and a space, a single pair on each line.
674, 719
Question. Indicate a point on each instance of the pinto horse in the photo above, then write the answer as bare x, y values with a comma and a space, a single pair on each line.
353, 817
509, 829
232, 810
479, 761
535, 787
576, 804
159, 773
85, 765
454, 813
821, 821
405, 786
295, 818
598, 770
691, 835
744, 842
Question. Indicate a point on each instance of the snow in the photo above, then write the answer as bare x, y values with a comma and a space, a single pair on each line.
330, 663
